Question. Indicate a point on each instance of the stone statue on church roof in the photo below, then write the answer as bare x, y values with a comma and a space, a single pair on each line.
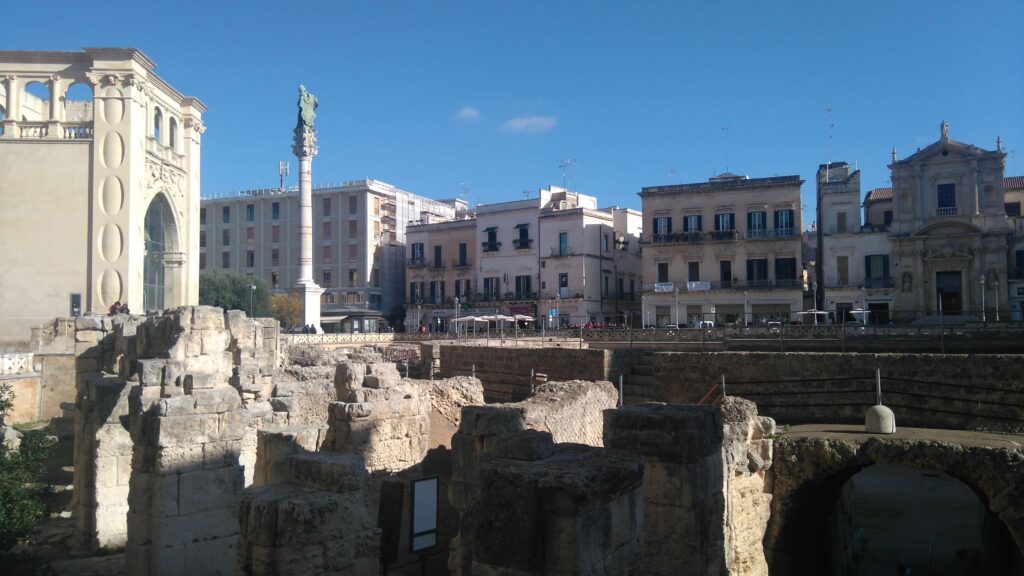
944, 129
307, 108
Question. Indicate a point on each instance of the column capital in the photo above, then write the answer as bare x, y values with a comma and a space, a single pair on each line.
304, 145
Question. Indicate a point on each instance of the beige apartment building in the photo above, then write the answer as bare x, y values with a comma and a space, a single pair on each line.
855, 262
556, 258
359, 235
99, 171
727, 251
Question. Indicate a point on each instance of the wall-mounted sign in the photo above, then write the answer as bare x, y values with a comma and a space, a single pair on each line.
423, 523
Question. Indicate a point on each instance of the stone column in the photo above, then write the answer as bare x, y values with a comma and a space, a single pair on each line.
309, 292
10, 107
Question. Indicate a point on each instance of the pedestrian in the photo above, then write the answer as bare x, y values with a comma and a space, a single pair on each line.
124, 309
115, 309
305, 329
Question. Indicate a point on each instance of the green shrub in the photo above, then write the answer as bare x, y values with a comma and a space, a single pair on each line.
21, 486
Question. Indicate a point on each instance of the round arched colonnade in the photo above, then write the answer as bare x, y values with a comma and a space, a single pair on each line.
808, 474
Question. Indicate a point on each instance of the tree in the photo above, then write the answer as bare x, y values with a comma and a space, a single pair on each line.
232, 291
21, 486
286, 309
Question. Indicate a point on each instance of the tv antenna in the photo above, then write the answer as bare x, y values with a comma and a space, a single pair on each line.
527, 193
831, 129
283, 169
672, 175
726, 130
565, 165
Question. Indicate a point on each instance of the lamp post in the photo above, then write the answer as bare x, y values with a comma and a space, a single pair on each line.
419, 316
676, 291
456, 323
995, 285
558, 304
643, 312
744, 307
982, 298
252, 293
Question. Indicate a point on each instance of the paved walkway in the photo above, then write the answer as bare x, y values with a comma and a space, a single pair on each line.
855, 433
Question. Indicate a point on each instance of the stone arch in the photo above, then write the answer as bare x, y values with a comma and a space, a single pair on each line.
161, 266
35, 102
807, 475
78, 102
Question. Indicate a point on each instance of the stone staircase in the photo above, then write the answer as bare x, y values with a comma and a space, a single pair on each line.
638, 383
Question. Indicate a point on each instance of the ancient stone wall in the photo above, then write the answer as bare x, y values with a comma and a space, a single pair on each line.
529, 506
196, 367
924, 390
505, 372
570, 411
705, 504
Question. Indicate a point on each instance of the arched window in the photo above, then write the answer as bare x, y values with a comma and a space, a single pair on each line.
158, 121
172, 133
35, 102
78, 103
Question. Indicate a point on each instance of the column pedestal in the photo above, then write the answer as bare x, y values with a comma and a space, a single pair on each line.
309, 294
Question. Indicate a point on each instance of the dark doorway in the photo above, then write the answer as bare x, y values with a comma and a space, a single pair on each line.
950, 288
879, 313
876, 519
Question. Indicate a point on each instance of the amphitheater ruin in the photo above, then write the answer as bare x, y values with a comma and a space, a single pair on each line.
204, 443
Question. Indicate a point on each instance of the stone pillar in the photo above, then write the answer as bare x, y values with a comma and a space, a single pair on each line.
305, 150
10, 107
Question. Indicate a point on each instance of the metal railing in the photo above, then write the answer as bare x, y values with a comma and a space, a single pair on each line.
416, 262
520, 244
775, 233
950, 211
461, 263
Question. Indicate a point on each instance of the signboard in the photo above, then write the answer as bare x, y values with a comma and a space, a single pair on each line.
712, 309
664, 286
423, 523
698, 286
553, 313
525, 309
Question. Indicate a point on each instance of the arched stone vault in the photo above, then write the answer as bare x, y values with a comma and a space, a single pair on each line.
805, 465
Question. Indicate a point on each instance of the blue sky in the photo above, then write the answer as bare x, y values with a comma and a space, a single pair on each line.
438, 97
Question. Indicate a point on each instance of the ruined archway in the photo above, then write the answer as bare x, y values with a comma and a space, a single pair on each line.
162, 244
809, 476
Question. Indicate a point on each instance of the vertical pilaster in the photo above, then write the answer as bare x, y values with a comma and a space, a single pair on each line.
11, 107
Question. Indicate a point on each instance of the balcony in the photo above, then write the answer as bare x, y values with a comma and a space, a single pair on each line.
461, 264
521, 243
416, 263
879, 282
557, 252
949, 211
724, 235
774, 234
491, 246
437, 264
164, 153
678, 238
715, 285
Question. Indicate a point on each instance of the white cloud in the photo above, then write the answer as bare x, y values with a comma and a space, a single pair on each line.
528, 125
468, 113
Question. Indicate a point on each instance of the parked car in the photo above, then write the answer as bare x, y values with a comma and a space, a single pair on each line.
775, 327
705, 324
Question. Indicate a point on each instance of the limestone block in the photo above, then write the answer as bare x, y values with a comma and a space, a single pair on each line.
214, 341
203, 525
232, 426
525, 445
185, 430
173, 459
93, 336
213, 557
222, 399
89, 323
151, 371
177, 406
207, 318
328, 471
374, 381
221, 454
348, 376
490, 420
88, 350
286, 404
206, 490
385, 369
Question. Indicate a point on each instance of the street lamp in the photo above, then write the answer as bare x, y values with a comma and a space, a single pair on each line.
643, 312
983, 298
558, 303
744, 307
676, 291
456, 318
419, 316
995, 285
252, 293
